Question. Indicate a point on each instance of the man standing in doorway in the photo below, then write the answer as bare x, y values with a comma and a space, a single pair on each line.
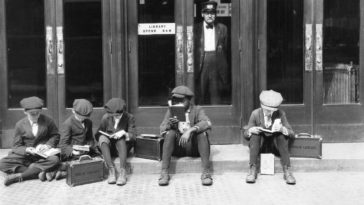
211, 67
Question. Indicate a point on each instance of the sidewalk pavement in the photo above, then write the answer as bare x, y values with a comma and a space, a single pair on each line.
333, 188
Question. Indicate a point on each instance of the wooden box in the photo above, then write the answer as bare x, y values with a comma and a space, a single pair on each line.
306, 146
84, 171
149, 147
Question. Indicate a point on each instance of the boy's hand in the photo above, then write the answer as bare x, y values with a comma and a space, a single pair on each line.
30, 150
173, 121
254, 130
119, 134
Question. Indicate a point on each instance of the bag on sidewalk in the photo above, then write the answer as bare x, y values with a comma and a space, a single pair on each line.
306, 146
149, 147
85, 170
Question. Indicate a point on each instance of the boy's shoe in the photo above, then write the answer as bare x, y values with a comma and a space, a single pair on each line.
288, 176
122, 177
112, 177
12, 178
60, 175
42, 176
252, 175
50, 175
164, 178
206, 178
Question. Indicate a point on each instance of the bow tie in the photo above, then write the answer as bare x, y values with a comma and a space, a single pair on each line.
209, 26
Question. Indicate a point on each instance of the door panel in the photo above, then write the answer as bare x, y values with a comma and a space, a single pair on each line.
285, 59
83, 49
338, 71
160, 38
26, 60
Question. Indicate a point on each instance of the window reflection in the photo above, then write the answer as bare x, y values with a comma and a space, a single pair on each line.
341, 51
83, 51
285, 49
156, 54
25, 38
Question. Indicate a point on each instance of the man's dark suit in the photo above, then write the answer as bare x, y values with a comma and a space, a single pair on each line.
211, 74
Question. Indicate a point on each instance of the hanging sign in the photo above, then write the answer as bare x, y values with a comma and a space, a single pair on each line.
156, 28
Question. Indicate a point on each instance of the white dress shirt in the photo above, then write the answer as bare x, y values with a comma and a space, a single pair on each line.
209, 38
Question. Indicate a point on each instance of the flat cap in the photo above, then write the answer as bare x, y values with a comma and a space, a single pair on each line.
31, 103
181, 92
270, 99
115, 105
82, 107
209, 6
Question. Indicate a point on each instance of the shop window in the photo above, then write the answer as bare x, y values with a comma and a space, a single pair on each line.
285, 49
341, 28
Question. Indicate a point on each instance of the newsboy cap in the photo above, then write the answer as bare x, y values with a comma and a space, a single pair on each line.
82, 107
270, 99
115, 105
209, 6
181, 92
31, 103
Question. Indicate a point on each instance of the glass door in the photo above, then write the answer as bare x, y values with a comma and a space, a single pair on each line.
162, 43
285, 62
83, 54
339, 58
27, 63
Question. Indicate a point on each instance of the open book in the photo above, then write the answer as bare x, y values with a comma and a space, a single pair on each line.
47, 152
267, 131
150, 136
178, 111
85, 148
113, 135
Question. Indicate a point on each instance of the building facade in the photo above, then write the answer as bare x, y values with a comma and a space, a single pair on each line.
309, 50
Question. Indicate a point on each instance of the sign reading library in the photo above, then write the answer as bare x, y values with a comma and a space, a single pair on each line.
156, 28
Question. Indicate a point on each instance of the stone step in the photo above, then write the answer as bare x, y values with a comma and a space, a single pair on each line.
235, 158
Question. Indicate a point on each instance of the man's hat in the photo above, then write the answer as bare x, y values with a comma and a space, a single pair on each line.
181, 92
209, 6
82, 107
270, 99
115, 105
31, 103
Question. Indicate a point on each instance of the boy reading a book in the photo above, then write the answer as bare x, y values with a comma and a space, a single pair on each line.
268, 127
187, 136
116, 133
76, 131
35, 132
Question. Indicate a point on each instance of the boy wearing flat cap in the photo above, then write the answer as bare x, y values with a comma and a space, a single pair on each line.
34, 132
185, 137
268, 116
76, 130
210, 57
119, 131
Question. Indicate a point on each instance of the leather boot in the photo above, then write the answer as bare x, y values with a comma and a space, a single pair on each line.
13, 178
112, 178
60, 174
206, 178
42, 176
50, 175
164, 178
122, 177
252, 175
288, 176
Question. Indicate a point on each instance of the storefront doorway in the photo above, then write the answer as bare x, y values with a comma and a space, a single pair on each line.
311, 53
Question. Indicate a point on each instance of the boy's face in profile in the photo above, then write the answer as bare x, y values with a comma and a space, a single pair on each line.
267, 112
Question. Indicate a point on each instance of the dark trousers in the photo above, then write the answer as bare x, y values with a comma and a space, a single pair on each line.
15, 163
209, 81
198, 145
274, 143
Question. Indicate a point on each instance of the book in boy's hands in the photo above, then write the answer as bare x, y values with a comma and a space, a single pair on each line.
178, 111
47, 152
107, 134
85, 148
151, 136
267, 130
